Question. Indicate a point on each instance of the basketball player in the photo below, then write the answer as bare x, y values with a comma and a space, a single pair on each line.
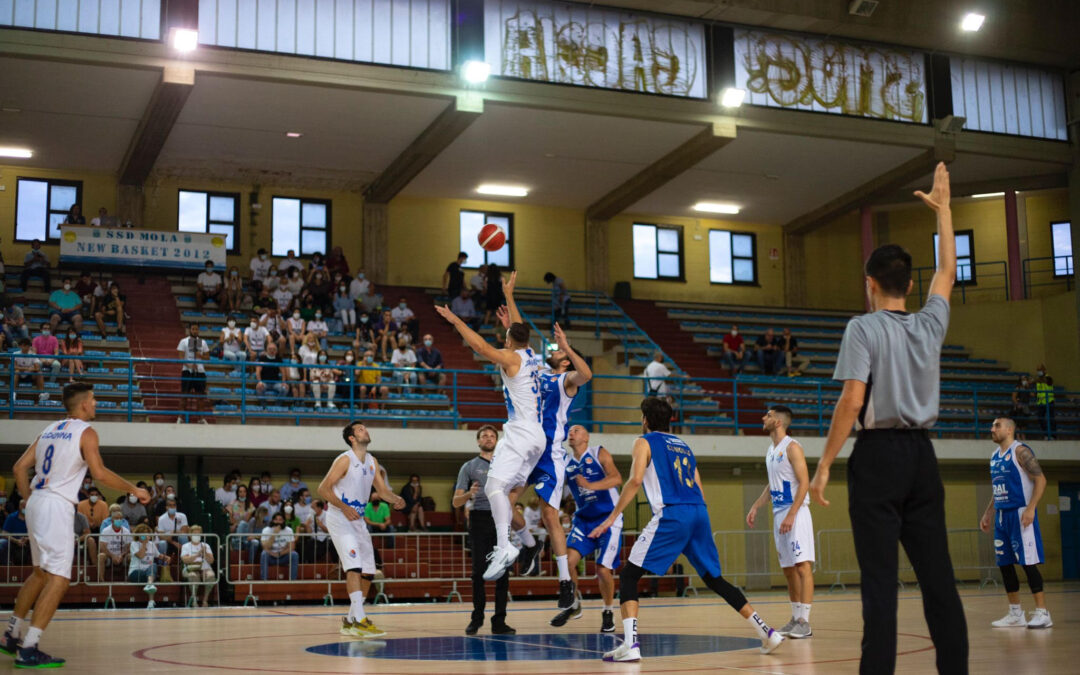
1018, 483
59, 457
346, 489
667, 469
523, 435
793, 530
890, 366
592, 478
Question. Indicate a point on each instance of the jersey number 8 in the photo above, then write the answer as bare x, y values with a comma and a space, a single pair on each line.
47, 464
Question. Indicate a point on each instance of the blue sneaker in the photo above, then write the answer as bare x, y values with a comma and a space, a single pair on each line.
35, 658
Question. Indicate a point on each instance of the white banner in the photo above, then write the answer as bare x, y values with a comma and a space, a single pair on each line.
140, 248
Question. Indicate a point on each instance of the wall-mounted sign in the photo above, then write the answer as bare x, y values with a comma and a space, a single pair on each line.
140, 248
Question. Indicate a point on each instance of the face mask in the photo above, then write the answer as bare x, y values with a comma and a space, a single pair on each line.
349, 359
341, 288
307, 500
93, 499
734, 332
360, 275
254, 325
86, 484
232, 324
401, 305
428, 343
159, 482
132, 499
46, 332
288, 509
1041, 373
234, 273
318, 315
72, 336
255, 488
363, 319
67, 287
369, 359
209, 270
172, 510
195, 539
116, 526
296, 315
170, 495
296, 479
262, 257
322, 358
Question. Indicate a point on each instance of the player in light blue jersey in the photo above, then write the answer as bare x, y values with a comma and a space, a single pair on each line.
665, 466
1013, 513
592, 478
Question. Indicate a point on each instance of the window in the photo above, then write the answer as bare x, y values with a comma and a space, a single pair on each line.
1061, 236
732, 257
965, 256
301, 225
471, 224
41, 206
658, 252
210, 213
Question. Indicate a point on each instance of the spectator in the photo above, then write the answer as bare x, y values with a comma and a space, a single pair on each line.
301, 499
291, 520
430, 361
172, 528
260, 267
36, 264
240, 511
293, 280
232, 343
365, 334
404, 357
336, 262
790, 346
295, 327
193, 350
65, 305
656, 372
345, 308
371, 301
256, 339
413, 493
493, 291
267, 482
1044, 403
377, 517
208, 286
16, 545
386, 333
132, 511
560, 300
358, 287
94, 508
319, 329
198, 560
307, 306
291, 489
321, 289
735, 354
226, 494
111, 308
316, 522
369, 379
1021, 402
264, 300
72, 346
324, 376
112, 547
13, 323
453, 279
534, 522
275, 325
770, 352
28, 370
116, 515
145, 557
233, 298
283, 298
47, 345
465, 309
274, 502
478, 286
278, 547
290, 262
268, 375
317, 264
403, 337
74, 216
90, 291
403, 316
102, 219
309, 350
158, 492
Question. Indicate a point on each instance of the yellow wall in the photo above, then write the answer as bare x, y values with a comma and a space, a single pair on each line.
1041, 209
833, 254
697, 288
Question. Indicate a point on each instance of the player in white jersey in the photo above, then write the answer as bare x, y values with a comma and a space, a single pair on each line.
346, 489
523, 437
793, 529
59, 457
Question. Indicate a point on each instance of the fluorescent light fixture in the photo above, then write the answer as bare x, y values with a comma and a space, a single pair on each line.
732, 97
18, 153
984, 195
502, 190
293, 134
475, 72
185, 39
714, 207
972, 22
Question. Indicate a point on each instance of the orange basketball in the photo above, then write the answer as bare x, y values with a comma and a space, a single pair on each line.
492, 237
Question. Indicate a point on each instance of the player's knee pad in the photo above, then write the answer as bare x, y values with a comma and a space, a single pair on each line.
1009, 578
1034, 577
628, 582
495, 486
731, 594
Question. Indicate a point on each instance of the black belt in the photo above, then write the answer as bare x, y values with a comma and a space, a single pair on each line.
902, 432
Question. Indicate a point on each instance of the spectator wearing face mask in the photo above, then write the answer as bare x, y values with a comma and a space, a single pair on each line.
116, 515
253, 543
377, 517
301, 500
94, 508
386, 330
320, 286
404, 357
318, 547
368, 379
319, 329
232, 343
46, 345
278, 547
345, 308
112, 548
735, 355
225, 494
240, 511
260, 269
197, 559
430, 360
295, 328
111, 308
358, 287
145, 560
347, 389
293, 486
290, 262
255, 339
404, 316
157, 492
292, 521
371, 301
72, 346
194, 351
132, 510
233, 298
13, 323
66, 306
364, 338
172, 528
208, 286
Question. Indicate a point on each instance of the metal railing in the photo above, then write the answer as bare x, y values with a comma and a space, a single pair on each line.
1048, 275
988, 281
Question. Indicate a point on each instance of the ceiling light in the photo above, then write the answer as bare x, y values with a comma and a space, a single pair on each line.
732, 97
18, 153
475, 72
972, 22
293, 134
984, 195
185, 39
714, 207
502, 190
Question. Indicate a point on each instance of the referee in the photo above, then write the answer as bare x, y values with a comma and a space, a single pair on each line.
889, 363
470, 485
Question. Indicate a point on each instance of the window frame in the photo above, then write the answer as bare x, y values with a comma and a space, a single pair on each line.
235, 196
49, 183
678, 229
753, 258
300, 232
509, 237
1053, 259
970, 234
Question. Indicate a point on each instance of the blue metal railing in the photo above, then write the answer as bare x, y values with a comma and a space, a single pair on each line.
989, 281
1054, 273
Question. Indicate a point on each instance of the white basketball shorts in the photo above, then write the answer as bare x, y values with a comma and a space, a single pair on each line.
797, 545
352, 541
517, 453
50, 523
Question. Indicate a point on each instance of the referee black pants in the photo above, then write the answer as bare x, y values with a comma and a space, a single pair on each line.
895, 494
482, 538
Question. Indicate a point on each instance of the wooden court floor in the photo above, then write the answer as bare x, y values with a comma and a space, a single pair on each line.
429, 638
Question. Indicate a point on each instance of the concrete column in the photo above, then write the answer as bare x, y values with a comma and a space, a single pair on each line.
1073, 95
130, 204
597, 264
1012, 245
374, 240
794, 255
866, 229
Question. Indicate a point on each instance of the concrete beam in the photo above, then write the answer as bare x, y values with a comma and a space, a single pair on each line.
157, 122
660, 172
871, 190
1047, 181
450, 123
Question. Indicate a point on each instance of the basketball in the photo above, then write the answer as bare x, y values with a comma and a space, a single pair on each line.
492, 237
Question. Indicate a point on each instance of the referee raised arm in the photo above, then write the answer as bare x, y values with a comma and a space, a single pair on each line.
890, 364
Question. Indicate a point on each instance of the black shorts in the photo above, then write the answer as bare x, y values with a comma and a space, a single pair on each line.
192, 383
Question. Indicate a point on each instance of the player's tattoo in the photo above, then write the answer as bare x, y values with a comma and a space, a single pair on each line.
1028, 461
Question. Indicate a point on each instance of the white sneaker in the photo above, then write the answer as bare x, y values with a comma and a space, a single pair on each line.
770, 644
1010, 620
624, 653
499, 561
318, 405
149, 588
42, 397
331, 406
1040, 618
150, 605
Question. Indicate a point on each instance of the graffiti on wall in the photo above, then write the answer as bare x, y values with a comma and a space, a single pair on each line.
805, 73
574, 44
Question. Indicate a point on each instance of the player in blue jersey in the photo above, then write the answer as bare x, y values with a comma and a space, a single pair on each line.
665, 466
1013, 512
592, 478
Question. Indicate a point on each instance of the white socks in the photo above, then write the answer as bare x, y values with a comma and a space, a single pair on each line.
356, 606
629, 627
500, 511
526, 537
796, 607
758, 625
609, 608
1018, 610
32, 637
805, 612
15, 626
564, 567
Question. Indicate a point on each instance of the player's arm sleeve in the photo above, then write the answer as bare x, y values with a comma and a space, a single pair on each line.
853, 361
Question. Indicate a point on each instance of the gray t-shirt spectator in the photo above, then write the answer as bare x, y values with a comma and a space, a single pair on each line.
475, 470
898, 356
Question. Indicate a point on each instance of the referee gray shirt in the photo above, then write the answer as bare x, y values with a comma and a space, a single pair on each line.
898, 356
475, 469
